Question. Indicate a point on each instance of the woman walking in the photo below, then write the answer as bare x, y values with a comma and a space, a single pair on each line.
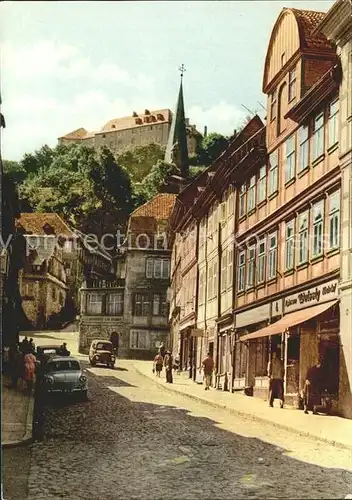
29, 370
158, 363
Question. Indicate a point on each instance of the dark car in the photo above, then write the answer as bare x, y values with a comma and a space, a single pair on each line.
101, 352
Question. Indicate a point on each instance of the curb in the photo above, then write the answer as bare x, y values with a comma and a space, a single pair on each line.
247, 416
28, 435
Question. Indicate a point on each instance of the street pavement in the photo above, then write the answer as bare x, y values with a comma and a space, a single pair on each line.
133, 439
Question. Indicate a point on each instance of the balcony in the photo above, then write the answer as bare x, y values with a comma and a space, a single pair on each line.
103, 284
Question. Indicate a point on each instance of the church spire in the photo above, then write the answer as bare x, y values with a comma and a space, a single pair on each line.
176, 149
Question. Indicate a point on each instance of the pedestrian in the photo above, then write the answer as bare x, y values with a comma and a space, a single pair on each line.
29, 370
158, 363
24, 345
16, 366
63, 350
276, 382
313, 387
31, 346
114, 339
168, 363
208, 367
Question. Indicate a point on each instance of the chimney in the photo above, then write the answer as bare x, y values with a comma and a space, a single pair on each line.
187, 122
205, 131
134, 114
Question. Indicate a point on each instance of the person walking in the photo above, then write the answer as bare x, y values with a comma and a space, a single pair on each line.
29, 371
276, 382
24, 345
313, 387
168, 363
31, 346
16, 364
114, 339
158, 363
208, 367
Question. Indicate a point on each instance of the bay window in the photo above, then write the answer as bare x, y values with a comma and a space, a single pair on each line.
273, 172
95, 303
334, 220
318, 137
158, 268
333, 123
318, 227
251, 267
303, 136
142, 304
290, 158
261, 261
290, 244
303, 238
114, 304
272, 261
241, 271
159, 304
262, 184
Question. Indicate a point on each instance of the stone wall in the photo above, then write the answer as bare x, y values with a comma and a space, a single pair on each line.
101, 327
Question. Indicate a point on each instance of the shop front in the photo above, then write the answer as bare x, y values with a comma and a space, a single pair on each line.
309, 328
224, 356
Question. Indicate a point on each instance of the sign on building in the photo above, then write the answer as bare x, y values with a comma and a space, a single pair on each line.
311, 296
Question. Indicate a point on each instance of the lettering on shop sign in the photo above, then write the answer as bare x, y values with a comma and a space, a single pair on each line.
317, 295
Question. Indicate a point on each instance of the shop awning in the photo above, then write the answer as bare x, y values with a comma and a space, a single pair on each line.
289, 320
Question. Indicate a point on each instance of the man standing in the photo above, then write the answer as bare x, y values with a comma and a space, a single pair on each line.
313, 387
208, 366
276, 383
168, 362
114, 339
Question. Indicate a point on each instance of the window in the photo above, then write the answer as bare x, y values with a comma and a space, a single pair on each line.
272, 263
303, 148
223, 271
159, 305
53, 293
333, 123
251, 194
114, 304
149, 268
250, 274
215, 278
158, 268
261, 261
210, 282
334, 220
283, 58
318, 220
201, 287
292, 84
95, 303
290, 244
243, 200
318, 137
142, 304
273, 172
241, 271
229, 268
290, 158
140, 339
262, 184
303, 238
273, 105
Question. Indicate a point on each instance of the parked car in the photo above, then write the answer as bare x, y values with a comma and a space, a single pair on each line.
45, 352
62, 374
101, 352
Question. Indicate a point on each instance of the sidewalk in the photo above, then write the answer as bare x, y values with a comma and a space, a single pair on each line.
17, 416
333, 430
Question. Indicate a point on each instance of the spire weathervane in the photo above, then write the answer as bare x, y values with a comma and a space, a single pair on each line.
182, 69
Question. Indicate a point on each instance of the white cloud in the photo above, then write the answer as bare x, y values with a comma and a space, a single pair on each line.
222, 117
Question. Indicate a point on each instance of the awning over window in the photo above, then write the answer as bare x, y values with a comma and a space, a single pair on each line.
289, 320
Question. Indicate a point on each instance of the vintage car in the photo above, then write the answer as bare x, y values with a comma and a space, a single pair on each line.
46, 352
63, 374
101, 352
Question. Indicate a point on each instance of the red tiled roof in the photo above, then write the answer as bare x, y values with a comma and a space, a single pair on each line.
34, 223
307, 21
160, 207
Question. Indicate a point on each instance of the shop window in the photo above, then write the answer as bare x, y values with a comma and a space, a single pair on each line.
114, 304
223, 271
303, 238
333, 125
229, 268
95, 303
290, 158
241, 271
318, 223
261, 358
251, 267
318, 137
273, 172
243, 200
334, 220
261, 261
273, 103
290, 244
292, 85
262, 184
241, 354
142, 304
272, 261
251, 194
303, 135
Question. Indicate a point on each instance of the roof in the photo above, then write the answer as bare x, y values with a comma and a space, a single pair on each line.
131, 121
77, 134
160, 207
307, 21
34, 223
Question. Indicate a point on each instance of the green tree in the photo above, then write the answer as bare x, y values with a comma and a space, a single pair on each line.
210, 148
15, 171
139, 161
41, 158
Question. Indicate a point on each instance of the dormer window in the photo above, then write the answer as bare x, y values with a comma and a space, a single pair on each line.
48, 229
273, 100
113, 126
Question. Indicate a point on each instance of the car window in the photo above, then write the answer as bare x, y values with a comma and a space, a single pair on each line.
104, 346
58, 366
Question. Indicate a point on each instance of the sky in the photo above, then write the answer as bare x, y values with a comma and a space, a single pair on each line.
66, 65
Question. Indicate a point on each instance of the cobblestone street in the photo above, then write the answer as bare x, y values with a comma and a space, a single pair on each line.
133, 439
